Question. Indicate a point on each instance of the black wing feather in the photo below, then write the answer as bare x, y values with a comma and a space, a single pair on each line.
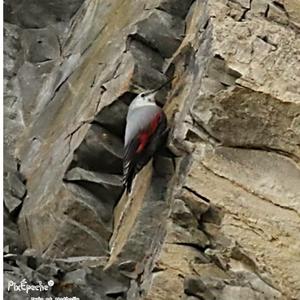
133, 162
129, 163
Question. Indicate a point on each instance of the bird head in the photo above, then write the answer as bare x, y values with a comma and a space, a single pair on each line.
149, 95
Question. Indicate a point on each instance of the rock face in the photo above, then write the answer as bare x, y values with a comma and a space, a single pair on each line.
214, 216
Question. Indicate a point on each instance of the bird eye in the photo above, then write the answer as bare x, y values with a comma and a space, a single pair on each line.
142, 95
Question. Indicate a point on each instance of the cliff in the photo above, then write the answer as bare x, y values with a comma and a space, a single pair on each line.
215, 217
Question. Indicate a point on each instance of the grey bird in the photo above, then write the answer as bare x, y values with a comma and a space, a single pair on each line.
146, 130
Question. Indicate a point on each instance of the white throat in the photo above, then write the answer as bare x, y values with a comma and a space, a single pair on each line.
141, 102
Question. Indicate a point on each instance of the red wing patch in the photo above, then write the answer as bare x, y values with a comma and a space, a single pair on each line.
154, 123
144, 136
143, 139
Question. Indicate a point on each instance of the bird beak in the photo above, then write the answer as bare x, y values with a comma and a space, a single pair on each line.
137, 89
163, 85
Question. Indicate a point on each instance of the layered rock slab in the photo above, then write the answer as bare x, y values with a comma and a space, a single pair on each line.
232, 224
246, 191
52, 139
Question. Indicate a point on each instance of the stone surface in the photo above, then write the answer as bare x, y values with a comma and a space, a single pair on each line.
161, 31
214, 216
100, 143
40, 45
113, 118
173, 7
253, 204
292, 8
80, 277
34, 14
270, 119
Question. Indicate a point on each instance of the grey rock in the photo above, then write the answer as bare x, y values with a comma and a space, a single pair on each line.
78, 174
244, 3
91, 284
77, 277
26, 270
40, 45
76, 262
13, 59
8, 221
14, 188
9, 163
112, 284
237, 292
129, 269
147, 78
161, 31
143, 54
218, 70
48, 269
191, 298
70, 278
277, 14
182, 214
12, 48
12, 242
17, 187
173, 7
31, 78
163, 165
83, 207
196, 203
213, 215
113, 118
187, 236
195, 287
100, 151
33, 13
86, 239
11, 203
97, 193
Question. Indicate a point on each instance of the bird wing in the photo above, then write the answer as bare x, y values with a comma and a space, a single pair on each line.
134, 154
129, 163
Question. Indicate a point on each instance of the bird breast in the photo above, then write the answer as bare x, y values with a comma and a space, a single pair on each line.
138, 120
